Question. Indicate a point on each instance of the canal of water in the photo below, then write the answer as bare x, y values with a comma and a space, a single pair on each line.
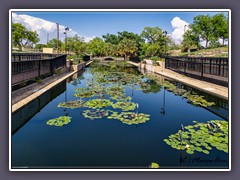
110, 117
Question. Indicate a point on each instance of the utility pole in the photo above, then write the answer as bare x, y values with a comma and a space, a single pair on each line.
57, 37
66, 29
47, 37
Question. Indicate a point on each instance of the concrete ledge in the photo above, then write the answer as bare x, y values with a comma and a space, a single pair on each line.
78, 67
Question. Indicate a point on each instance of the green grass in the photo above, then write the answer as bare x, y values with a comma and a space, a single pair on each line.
213, 52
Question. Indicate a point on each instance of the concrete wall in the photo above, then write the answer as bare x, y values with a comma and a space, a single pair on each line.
78, 67
48, 50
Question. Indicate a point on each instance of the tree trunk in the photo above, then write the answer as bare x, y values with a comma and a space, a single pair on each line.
125, 57
206, 43
188, 51
20, 47
223, 41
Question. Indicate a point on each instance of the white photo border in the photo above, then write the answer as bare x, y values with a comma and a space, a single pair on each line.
119, 10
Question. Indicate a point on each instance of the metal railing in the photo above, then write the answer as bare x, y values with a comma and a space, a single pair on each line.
214, 69
29, 66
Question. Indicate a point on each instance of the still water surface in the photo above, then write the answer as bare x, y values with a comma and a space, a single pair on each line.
109, 143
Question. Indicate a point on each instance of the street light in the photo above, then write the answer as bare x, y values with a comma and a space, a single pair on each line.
66, 29
165, 34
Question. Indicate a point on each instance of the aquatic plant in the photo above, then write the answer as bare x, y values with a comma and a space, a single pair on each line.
124, 105
98, 103
201, 137
60, 121
198, 100
86, 94
154, 165
114, 89
130, 117
71, 104
95, 114
120, 97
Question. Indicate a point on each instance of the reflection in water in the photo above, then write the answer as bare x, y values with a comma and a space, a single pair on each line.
20, 117
123, 139
198, 98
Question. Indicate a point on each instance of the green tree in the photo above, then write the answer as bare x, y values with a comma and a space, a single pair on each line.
111, 49
111, 38
53, 43
40, 46
190, 40
127, 47
152, 34
220, 27
157, 41
203, 27
22, 37
96, 47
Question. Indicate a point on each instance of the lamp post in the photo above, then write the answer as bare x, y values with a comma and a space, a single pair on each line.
165, 35
66, 29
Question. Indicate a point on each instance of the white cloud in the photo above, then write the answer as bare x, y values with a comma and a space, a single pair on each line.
44, 27
178, 26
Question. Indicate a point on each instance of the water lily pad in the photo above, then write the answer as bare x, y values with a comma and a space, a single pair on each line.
201, 137
60, 121
125, 106
130, 117
95, 114
98, 103
154, 165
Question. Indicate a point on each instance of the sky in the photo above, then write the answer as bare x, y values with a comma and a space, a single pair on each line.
96, 24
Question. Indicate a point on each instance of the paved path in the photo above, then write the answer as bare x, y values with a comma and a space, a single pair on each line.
214, 89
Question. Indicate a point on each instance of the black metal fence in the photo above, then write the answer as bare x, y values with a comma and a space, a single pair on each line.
26, 67
212, 69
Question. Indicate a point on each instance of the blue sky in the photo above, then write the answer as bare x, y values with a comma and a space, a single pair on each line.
96, 24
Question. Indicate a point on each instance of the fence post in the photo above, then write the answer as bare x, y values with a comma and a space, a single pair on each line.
39, 66
202, 69
51, 67
219, 68
210, 70
185, 66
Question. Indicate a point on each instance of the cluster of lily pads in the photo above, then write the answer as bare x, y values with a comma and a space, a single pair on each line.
98, 103
125, 105
95, 113
120, 97
130, 117
201, 137
60, 121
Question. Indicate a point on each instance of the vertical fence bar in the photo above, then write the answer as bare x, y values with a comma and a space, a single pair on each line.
39, 66
219, 68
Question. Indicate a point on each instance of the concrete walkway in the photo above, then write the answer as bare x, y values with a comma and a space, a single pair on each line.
214, 89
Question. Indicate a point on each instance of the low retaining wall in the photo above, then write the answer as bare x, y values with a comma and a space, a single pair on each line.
78, 67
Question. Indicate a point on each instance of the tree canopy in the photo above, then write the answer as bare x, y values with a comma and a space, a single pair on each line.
210, 28
152, 41
22, 37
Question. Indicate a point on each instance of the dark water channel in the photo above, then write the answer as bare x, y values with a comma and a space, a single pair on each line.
115, 143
